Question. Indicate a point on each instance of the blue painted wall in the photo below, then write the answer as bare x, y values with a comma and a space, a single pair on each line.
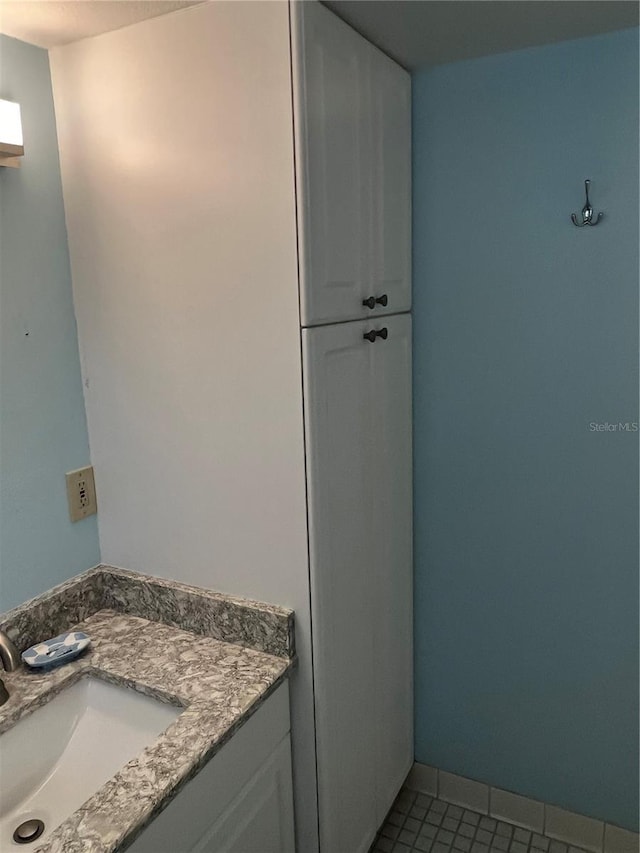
526, 331
43, 429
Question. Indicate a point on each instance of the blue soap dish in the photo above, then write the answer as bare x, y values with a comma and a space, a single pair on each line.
58, 650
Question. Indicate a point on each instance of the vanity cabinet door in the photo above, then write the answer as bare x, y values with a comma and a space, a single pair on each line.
260, 818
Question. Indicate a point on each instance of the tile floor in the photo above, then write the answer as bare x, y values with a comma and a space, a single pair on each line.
418, 823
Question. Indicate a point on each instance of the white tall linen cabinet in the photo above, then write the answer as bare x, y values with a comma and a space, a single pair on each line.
352, 119
237, 193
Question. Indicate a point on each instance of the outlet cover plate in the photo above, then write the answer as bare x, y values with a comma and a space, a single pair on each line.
81, 493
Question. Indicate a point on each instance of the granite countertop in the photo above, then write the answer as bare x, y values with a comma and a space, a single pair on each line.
218, 683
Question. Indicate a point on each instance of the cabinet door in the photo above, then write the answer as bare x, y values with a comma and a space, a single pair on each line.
391, 141
339, 405
353, 164
333, 164
260, 819
358, 430
392, 562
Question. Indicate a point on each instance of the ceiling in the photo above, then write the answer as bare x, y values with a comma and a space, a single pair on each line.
418, 33
48, 23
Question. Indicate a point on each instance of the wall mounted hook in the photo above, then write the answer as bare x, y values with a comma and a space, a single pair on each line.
587, 211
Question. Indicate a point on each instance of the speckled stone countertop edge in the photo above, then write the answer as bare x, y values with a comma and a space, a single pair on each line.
217, 685
229, 618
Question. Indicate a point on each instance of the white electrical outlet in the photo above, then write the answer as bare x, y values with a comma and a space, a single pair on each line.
81, 492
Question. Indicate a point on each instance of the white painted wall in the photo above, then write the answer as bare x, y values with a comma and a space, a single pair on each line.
177, 162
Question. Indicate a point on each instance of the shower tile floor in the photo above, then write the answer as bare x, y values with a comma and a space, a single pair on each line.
418, 823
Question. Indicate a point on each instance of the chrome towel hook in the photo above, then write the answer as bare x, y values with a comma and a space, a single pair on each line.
587, 211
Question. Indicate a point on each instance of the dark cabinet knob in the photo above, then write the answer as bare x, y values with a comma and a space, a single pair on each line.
372, 301
376, 333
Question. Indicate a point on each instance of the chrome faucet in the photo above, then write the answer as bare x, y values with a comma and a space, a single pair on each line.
10, 658
9, 655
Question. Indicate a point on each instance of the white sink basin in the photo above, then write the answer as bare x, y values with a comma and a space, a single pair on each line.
56, 758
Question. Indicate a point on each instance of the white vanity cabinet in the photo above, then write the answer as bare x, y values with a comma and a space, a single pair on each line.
353, 156
241, 801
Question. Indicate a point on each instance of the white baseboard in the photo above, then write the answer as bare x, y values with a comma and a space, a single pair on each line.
596, 836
